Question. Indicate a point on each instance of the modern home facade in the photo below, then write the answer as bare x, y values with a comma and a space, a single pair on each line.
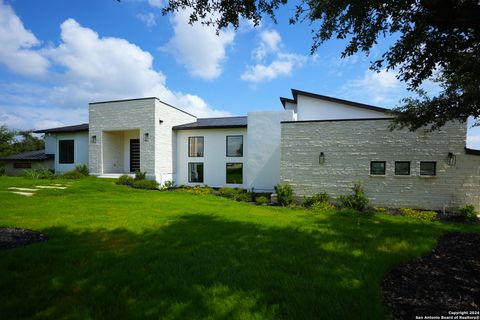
316, 144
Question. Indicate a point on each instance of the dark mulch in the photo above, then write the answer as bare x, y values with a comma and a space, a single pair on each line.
13, 237
446, 279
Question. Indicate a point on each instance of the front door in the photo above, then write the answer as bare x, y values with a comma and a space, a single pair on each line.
134, 155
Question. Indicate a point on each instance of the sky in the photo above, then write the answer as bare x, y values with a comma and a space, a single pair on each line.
57, 56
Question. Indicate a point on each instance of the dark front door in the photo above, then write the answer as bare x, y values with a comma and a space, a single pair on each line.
134, 155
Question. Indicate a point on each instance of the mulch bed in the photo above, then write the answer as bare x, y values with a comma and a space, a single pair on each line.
446, 279
13, 237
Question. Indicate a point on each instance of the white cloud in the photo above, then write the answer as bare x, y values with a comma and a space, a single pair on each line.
270, 42
198, 47
281, 66
156, 3
16, 45
150, 19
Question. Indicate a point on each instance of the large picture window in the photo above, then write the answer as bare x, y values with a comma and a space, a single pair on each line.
235, 173
402, 168
66, 151
428, 168
195, 172
234, 146
377, 168
195, 146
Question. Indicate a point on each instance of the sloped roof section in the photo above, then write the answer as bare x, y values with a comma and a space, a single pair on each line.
212, 123
37, 155
296, 93
75, 128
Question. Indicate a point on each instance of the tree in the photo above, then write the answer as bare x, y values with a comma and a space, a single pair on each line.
439, 39
13, 142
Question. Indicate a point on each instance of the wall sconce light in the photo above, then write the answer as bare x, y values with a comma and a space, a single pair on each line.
146, 136
160, 121
451, 159
93, 139
321, 158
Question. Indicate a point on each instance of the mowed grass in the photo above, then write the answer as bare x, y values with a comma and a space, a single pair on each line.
121, 253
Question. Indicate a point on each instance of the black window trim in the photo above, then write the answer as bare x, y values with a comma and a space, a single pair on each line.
60, 160
226, 173
434, 169
203, 147
189, 176
226, 145
409, 168
384, 168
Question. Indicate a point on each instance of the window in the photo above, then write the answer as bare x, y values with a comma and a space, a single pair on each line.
195, 172
195, 146
234, 146
66, 151
235, 173
402, 168
22, 165
377, 167
428, 168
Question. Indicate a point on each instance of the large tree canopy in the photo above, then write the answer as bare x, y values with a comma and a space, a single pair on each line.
434, 39
13, 142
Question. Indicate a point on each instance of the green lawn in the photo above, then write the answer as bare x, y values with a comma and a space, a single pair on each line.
118, 253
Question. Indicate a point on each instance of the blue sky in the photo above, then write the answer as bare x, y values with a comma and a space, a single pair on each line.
56, 56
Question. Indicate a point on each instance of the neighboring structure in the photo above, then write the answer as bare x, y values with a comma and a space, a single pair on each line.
14, 165
316, 144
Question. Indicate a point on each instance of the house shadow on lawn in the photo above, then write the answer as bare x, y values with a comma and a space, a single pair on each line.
201, 266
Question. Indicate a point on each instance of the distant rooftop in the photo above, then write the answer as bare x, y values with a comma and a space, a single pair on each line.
75, 128
31, 155
212, 123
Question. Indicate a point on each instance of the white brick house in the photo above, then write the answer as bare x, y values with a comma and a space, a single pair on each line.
316, 144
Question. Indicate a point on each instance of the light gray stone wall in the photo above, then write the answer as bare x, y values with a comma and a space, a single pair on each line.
349, 146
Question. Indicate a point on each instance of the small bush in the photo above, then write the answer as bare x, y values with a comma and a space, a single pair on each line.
139, 175
323, 207
125, 180
145, 184
261, 201
236, 194
169, 184
83, 169
2, 169
316, 198
357, 200
284, 193
198, 190
468, 212
73, 174
46, 174
420, 214
31, 174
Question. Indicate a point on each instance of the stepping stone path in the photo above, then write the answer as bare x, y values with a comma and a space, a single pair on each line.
28, 192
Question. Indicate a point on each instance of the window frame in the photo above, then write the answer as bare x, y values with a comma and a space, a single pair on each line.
409, 168
64, 158
384, 168
226, 172
434, 169
189, 171
226, 145
203, 146
22, 165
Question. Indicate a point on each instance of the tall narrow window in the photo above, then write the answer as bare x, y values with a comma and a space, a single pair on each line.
234, 146
235, 173
377, 168
402, 168
195, 172
66, 153
195, 146
428, 168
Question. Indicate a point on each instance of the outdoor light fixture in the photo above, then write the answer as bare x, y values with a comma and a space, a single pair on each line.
160, 121
321, 158
94, 139
451, 159
145, 136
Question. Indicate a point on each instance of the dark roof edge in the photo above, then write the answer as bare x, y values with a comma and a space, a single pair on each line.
472, 151
36, 155
337, 120
84, 127
285, 100
147, 98
209, 127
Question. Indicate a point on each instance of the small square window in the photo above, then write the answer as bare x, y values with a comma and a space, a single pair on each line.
195, 146
235, 173
377, 168
402, 168
428, 168
195, 172
234, 146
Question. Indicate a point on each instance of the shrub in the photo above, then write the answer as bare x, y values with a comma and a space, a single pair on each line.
125, 180
468, 212
261, 201
83, 169
419, 214
199, 190
46, 174
73, 174
316, 198
323, 207
284, 194
145, 184
357, 200
31, 174
2, 169
169, 184
236, 194
139, 175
